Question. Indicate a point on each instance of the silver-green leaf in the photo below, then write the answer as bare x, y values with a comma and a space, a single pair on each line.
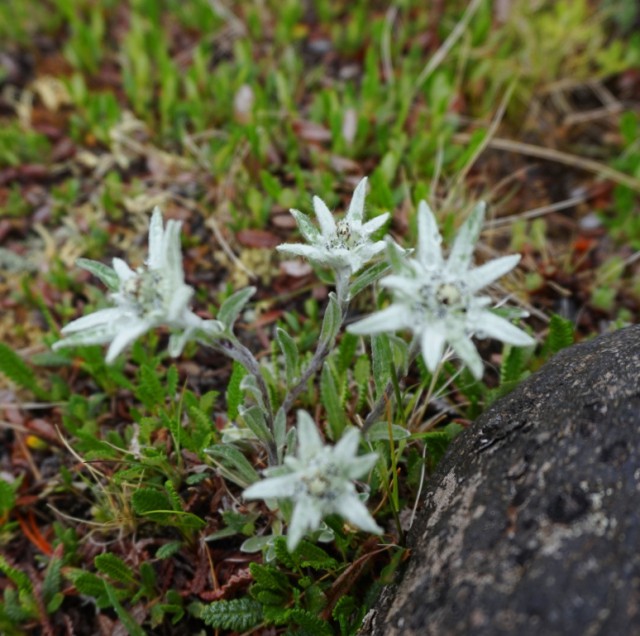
232, 306
105, 273
290, 352
332, 320
253, 417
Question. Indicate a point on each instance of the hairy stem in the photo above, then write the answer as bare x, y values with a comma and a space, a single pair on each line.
321, 353
237, 351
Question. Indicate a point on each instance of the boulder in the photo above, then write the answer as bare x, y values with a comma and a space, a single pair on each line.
531, 524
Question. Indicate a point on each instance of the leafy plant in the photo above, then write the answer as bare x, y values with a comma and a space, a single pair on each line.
116, 584
19, 146
297, 590
14, 368
23, 602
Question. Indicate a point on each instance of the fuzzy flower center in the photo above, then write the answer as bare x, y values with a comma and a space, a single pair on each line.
345, 237
143, 291
441, 299
319, 481
448, 294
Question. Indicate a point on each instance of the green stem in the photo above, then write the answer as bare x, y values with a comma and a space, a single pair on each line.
324, 346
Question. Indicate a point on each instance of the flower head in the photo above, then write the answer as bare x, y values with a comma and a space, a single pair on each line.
319, 482
344, 245
436, 298
152, 296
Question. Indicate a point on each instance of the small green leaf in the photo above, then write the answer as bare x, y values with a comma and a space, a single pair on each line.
237, 615
249, 384
7, 496
253, 417
201, 433
290, 352
512, 366
346, 351
174, 497
235, 394
14, 367
172, 380
269, 577
346, 612
51, 581
283, 555
151, 390
127, 620
158, 507
223, 533
184, 520
330, 397
168, 549
382, 361
105, 273
310, 623
208, 400
561, 333
145, 500
379, 431
148, 579
255, 544
436, 442
115, 568
87, 583
17, 576
331, 321
309, 555
54, 603
367, 278
362, 375
233, 464
232, 306
280, 432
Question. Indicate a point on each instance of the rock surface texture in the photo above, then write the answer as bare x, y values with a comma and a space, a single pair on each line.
531, 524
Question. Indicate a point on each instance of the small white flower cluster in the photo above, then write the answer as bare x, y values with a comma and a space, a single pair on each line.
319, 481
153, 296
345, 246
435, 298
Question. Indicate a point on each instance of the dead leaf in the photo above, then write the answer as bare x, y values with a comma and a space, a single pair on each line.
258, 238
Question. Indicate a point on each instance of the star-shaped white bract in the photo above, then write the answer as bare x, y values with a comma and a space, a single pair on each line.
344, 246
319, 481
152, 296
435, 298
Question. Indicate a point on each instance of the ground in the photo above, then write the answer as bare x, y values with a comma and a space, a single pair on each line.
226, 117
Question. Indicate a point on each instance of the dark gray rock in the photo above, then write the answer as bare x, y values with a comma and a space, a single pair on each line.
531, 524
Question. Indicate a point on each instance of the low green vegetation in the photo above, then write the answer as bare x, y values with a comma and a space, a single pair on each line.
121, 483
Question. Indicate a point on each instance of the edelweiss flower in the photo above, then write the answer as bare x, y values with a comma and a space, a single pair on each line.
150, 297
343, 246
436, 299
319, 481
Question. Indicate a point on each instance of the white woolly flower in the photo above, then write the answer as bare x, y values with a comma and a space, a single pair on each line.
319, 481
435, 298
152, 296
345, 245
